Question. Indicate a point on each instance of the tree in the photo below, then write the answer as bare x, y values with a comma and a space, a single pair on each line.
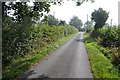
62, 23
79, 2
23, 10
76, 22
52, 20
19, 27
100, 16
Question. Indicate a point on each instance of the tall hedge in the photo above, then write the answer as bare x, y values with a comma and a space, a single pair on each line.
109, 38
20, 39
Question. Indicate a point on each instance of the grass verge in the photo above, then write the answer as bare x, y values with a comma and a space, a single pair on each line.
23, 64
100, 64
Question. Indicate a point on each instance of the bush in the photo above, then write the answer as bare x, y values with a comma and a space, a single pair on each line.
100, 64
109, 38
89, 30
19, 39
82, 29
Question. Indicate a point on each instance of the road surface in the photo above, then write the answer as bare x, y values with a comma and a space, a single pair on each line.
69, 61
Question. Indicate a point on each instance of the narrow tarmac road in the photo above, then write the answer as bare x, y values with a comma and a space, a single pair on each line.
69, 61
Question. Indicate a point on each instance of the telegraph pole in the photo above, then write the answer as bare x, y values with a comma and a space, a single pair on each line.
111, 22
54, 14
87, 20
87, 24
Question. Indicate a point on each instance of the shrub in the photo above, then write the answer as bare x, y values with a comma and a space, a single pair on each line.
19, 39
109, 38
100, 64
89, 30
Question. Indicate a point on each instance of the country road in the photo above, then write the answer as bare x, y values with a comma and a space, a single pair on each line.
69, 61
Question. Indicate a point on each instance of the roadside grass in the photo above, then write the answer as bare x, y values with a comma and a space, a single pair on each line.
23, 64
101, 65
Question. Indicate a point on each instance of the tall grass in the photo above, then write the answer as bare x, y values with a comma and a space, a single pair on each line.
109, 38
101, 66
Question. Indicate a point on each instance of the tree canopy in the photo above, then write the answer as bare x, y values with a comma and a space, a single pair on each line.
23, 10
79, 2
100, 16
52, 20
76, 22
62, 23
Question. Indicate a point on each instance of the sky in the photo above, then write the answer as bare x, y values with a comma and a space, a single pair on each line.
68, 9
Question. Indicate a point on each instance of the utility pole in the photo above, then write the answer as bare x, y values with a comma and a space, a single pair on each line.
87, 20
54, 14
87, 24
111, 22
119, 13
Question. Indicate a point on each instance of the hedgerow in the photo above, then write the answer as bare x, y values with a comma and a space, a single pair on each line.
18, 40
109, 38
100, 64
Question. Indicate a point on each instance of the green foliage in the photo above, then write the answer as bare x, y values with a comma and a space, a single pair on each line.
62, 23
82, 29
100, 16
69, 30
89, 30
21, 39
76, 22
23, 64
18, 28
52, 21
109, 38
23, 10
100, 64
17, 39
82, 1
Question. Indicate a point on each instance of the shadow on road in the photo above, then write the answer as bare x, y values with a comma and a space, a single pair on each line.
43, 77
80, 40
32, 72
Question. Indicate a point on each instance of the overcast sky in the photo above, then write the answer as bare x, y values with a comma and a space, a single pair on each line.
69, 9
